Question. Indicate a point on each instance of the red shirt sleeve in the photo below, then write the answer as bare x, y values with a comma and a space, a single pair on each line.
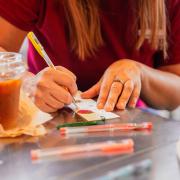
24, 14
173, 36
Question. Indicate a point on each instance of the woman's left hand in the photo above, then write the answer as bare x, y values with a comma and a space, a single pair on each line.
120, 86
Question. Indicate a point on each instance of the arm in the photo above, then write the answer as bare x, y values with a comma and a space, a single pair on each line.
48, 89
125, 80
2, 49
11, 37
161, 88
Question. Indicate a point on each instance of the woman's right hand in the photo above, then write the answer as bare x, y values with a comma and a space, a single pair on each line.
52, 89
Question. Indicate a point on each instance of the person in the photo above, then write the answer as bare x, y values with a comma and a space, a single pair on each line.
116, 50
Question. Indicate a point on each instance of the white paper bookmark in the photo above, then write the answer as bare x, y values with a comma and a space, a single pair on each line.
88, 110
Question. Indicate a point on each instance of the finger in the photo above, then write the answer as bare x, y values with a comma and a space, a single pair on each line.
104, 91
2, 49
61, 94
44, 107
40, 103
53, 102
115, 92
47, 108
65, 80
92, 92
134, 96
51, 87
61, 68
126, 93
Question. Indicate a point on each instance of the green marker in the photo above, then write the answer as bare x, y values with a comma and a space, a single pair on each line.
86, 123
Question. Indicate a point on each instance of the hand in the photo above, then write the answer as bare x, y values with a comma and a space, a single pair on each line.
53, 88
2, 49
119, 87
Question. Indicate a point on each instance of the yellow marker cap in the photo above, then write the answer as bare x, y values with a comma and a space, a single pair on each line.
31, 36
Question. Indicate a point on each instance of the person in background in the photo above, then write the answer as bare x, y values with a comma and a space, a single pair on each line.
117, 50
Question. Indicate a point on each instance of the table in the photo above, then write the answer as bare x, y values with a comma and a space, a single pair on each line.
160, 146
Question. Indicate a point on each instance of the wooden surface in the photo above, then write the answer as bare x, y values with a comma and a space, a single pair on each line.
160, 146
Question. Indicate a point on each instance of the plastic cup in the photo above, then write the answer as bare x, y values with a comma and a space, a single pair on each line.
12, 68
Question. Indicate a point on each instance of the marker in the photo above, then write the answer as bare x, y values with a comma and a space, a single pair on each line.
40, 49
107, 127
129, 170
104, 147
83, 123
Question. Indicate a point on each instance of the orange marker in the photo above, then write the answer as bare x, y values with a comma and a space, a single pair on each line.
104, 147
107, 127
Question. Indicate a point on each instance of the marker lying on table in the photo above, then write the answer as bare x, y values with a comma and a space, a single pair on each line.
105, 147
107, 127
83, 123
129, 170
40, 49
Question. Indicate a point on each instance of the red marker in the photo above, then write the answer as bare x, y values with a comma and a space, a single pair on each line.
106, 147
107, 127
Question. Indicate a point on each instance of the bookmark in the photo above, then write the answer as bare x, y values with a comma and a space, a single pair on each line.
87, 109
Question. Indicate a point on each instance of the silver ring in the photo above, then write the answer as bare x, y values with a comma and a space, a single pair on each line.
119, 80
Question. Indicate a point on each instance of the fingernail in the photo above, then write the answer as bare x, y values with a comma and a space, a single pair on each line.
82, 95
132, 105
108, 107
100, 105
121, 106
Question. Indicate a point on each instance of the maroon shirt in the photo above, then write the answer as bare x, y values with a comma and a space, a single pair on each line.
47, 19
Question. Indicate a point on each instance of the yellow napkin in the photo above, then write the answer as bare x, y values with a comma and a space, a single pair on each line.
30, 120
